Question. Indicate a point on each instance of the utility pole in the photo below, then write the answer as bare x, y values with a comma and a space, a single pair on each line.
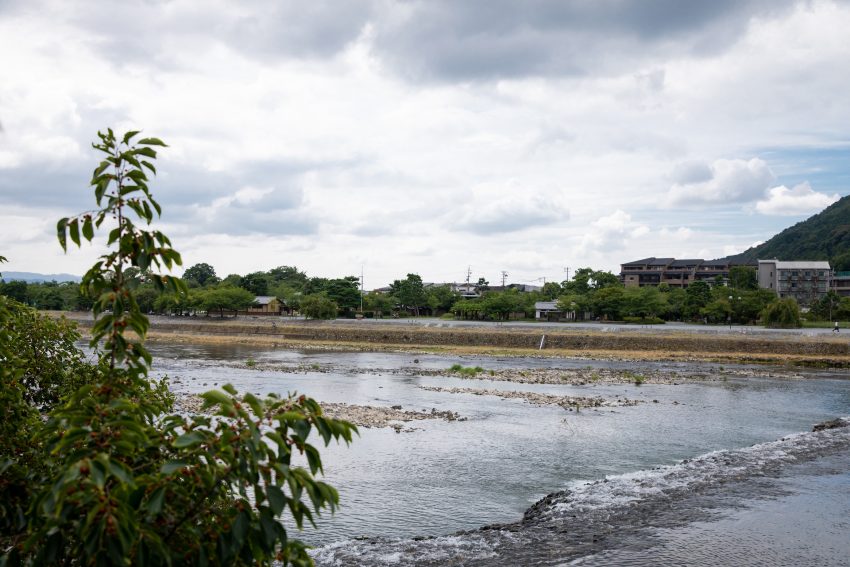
567, 271
504, 277
468, 275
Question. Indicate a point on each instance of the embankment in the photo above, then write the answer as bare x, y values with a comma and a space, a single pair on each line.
793, 349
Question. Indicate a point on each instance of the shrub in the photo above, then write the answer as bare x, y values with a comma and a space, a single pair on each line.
782, 313
126, 483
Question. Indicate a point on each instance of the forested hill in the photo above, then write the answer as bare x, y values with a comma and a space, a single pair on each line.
825, 236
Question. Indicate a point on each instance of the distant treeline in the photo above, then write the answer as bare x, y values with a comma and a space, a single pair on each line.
590, 294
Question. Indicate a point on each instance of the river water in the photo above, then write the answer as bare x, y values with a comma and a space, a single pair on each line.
707, 473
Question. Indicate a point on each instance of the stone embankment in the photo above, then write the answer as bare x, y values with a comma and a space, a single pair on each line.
821, 351
361, 416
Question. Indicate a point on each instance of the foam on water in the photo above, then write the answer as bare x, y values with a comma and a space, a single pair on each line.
589, 517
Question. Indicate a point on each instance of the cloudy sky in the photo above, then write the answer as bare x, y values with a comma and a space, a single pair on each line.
429, 136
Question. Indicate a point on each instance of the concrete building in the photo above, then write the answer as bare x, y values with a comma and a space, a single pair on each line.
805, 281
840, 283
675, 273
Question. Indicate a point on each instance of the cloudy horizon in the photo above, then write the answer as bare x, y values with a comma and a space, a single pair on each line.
430, 137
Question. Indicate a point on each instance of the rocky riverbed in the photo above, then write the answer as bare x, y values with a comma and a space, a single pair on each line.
566, 376
362, 416
567, 402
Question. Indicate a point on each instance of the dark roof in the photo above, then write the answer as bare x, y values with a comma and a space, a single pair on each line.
722, 262
681, 263
651, 261
660, 261
640, 262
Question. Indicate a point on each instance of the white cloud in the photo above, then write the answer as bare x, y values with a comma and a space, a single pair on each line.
611, 233
800, 200
725, 181
372, 164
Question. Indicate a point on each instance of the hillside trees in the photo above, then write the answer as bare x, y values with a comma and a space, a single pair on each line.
125, 482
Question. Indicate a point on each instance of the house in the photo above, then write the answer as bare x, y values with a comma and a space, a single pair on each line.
805, 281
265, 305
549, 311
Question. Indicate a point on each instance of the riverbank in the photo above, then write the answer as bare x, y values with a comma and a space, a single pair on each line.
641, 344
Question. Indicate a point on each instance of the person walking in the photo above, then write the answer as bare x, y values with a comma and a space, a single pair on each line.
835, 329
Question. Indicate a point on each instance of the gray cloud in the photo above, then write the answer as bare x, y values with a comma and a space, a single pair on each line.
508, 215
433, 39
500, 38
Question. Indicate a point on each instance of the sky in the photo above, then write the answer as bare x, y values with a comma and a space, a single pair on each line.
431, 137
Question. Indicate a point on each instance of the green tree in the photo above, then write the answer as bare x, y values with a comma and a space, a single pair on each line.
841, 262
551, 291
128, 484
256, 282
608, 302
440, 298
289, 275
345, 292
318, 306
697, 296
16, 290
826, 306
202, 273
379, 304
743, 277
643, 302
783, 313
224, 298
501, 305
409, 292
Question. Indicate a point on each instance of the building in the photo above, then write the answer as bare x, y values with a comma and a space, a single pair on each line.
805, 281
265, 305
676, 273
840, 283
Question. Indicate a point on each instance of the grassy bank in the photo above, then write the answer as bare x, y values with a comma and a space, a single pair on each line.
833, 352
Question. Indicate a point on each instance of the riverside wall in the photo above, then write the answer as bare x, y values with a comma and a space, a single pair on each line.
508, 338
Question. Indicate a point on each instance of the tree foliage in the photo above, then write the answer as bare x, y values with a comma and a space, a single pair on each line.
409, 292
783, 313
202, 273
126, 483
318, 306
824, 236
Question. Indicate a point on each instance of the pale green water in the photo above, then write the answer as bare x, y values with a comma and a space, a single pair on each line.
445, 477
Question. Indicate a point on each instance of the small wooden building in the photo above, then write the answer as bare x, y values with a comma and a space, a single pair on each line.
265, 305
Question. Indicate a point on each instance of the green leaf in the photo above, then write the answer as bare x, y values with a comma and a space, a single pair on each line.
150, 166
173, 465
277, 500
154, 505
188, 440
146, 152
88, 230
129, 135
61, 233
74, 231
216, 397
151, 142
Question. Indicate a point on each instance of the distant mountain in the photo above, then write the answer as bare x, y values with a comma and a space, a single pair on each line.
34, 277
825, 236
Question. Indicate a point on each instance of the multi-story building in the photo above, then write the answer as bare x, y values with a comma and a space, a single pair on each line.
806, 282
840, 283
676, 273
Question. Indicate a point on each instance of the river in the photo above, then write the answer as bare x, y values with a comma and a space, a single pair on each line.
706, 473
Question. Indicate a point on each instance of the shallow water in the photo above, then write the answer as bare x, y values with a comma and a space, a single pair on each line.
445, 477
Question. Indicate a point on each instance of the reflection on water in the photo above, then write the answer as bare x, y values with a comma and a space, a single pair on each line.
446, 477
